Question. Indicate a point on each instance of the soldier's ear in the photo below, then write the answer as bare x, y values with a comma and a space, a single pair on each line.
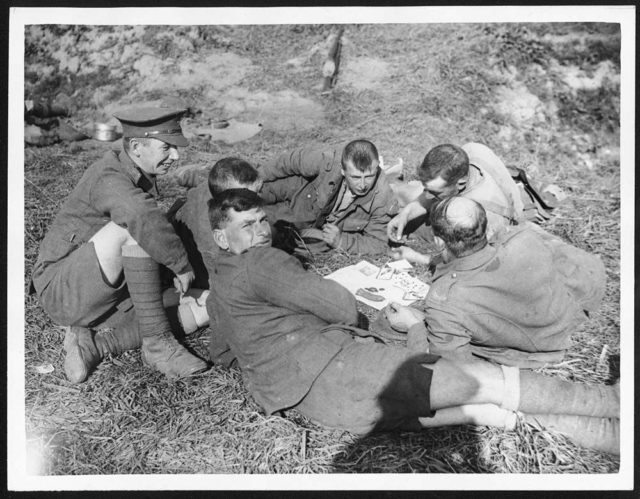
220, 238
462, 183
134, 146
447, 256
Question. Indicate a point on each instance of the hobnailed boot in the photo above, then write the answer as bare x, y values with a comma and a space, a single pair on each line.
601, 434
86, 348
119, 340
533, 393
160, 349
82, 353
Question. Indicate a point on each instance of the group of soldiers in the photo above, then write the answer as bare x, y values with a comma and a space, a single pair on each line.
505, 296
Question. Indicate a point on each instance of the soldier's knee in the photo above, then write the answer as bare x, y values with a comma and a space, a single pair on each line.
472, 382
452, 384
115, 234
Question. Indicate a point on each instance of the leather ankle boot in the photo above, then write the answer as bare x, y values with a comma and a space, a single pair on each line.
126, 336
160, 349
164, 353
82, 353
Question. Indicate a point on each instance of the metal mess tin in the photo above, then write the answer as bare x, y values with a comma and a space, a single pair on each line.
104, 132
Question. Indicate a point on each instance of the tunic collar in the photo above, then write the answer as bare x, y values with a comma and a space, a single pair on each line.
469, 262
140, 178
475, 177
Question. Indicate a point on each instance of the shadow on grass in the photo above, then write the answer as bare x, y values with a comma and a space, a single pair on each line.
412, 448
453, 449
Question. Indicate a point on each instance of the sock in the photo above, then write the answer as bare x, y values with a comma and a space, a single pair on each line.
142, 274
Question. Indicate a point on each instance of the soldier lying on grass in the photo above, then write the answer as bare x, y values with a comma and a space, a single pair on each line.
295, 336
99, 263
337, 198
515, 302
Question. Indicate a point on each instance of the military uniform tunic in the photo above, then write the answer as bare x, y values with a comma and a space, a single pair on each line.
306, 182
290, 331
521, 296
111, 190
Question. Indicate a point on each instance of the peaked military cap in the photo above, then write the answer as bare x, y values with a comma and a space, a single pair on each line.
162, 123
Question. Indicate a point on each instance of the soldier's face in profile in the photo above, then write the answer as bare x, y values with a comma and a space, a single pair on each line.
440, 189
156, 157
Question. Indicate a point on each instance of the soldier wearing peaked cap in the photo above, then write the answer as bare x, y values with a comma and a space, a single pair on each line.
98, 264
155, 123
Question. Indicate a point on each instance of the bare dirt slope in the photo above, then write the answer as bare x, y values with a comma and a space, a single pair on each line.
544, 97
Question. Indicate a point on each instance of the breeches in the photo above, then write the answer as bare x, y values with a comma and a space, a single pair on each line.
74, 291
370, 387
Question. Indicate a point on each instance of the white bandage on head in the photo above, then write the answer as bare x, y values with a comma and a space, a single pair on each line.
511, 393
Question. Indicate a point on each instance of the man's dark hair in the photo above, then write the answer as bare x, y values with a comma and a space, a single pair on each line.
228, 170
361, 153
447, 161
464, 231
238, 199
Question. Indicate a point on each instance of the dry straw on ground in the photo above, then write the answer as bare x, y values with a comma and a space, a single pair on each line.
440, 86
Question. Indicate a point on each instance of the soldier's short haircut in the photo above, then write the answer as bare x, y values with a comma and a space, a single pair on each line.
237, 199
229, 170
361, 153
462, 227
447, 161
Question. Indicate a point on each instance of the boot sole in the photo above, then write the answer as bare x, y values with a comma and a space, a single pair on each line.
73, 358
171, 375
